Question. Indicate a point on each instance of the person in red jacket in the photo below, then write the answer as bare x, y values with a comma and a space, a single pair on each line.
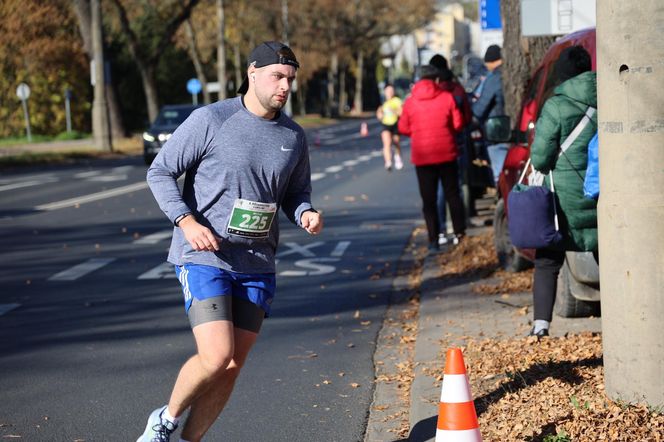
431, 118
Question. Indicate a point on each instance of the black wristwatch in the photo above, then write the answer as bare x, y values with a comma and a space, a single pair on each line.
180, 218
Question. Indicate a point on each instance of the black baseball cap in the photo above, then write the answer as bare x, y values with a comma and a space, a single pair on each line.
267, 53
493, 53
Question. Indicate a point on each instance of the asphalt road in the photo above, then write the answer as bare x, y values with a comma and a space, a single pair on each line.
92, 328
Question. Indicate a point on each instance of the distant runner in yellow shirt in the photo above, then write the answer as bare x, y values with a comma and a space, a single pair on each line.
389, 114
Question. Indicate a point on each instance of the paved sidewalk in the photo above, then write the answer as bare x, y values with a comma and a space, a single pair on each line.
450, 315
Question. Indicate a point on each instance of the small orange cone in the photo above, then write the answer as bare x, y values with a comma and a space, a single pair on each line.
457, 420
364, 129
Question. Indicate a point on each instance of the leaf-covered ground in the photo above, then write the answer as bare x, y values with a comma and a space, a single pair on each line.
550, 390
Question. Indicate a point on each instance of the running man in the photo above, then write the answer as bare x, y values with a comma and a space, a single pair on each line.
244, 160
388, 114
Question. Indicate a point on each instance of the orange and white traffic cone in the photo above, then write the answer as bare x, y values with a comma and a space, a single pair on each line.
364, 129
457, 420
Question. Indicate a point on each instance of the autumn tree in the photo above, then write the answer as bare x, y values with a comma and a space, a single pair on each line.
348, 30
369, 21
148, 28
244, 25
521, 55
198, 36
40, 45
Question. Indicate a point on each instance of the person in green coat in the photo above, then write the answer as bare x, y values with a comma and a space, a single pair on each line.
577, 215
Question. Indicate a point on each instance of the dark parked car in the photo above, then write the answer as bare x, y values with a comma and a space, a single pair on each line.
578, 283
169, 118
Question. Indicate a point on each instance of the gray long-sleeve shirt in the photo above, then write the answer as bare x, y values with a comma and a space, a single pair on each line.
229, 154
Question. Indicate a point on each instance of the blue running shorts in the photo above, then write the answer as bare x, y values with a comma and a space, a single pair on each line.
202, 284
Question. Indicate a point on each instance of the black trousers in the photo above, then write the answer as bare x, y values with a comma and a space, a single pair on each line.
428, 178
545, 281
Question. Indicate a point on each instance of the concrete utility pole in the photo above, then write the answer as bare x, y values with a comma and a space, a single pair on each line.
630, 75
100, 123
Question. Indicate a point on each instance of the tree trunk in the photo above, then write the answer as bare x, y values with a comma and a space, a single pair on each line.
100, 124
221, 50
114, 112
343, 97
237, 61
521, 55
359, 77
331, 83
82, 10
192, 49
150, 88
301, 98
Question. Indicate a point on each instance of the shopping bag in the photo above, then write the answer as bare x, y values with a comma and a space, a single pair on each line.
532, 220
591, 181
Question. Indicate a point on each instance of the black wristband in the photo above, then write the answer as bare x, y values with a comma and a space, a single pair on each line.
180, 218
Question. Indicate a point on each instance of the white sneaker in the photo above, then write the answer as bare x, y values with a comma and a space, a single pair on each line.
388, 167
398, 164
456, 239
157, 429
442, 239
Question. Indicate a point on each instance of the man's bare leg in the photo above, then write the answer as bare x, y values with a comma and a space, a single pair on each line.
215, 344
208, 406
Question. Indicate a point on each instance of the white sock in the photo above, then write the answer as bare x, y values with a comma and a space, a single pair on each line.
540, 324
167, 415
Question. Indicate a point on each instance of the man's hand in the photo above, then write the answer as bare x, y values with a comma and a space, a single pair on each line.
312, 222
200, 237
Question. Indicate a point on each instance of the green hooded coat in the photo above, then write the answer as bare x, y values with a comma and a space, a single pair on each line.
561, 113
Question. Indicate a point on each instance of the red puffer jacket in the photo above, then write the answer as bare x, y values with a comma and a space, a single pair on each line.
431, 118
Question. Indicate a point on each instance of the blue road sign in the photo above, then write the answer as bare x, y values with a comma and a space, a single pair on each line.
194, 86
490, 14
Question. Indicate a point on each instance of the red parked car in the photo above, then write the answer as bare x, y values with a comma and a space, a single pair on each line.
578, 283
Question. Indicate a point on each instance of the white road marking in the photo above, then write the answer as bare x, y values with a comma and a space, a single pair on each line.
87, 174
302, 250
108, 178
364, 158
154, 238
317, 176
5, 308
93, 197
162, 271
334, 169
82, 269
340, 248
350, 163
315, 266
26, 184
122, 169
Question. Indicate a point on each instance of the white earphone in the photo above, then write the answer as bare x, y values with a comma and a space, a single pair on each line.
253, 77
